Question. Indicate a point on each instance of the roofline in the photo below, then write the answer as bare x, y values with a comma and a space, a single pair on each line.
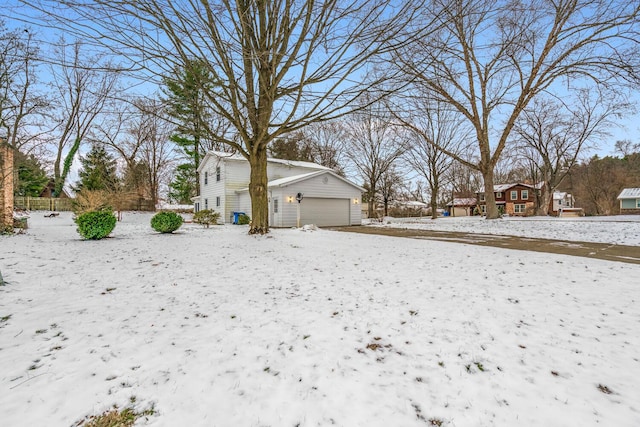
306, 176
237, 157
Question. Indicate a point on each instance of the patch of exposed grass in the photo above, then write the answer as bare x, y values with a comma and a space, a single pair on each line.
115, 418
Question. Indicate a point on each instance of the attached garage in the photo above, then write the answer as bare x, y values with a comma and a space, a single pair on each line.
326, 199
325, 212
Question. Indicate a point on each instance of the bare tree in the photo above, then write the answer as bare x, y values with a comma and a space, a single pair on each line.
326, 141
21, 105
82, 92
627, 147
489, 59
390, 186
374, 144
433, 128
550, 139
156, 152
280, 64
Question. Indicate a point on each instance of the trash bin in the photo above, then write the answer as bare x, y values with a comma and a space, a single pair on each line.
236, 216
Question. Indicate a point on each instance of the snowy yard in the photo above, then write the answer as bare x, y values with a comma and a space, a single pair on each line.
212, 327
620, 229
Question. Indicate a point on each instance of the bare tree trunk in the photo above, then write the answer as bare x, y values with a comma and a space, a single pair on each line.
547, 197
258, 192
371, 201
490, 197
434, 201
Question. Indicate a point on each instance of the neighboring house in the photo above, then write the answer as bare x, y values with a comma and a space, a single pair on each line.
462, 206
49, 190
629, 201
516, 199
562, 205
327, 198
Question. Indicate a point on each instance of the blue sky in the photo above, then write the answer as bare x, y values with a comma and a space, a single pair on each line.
16, 13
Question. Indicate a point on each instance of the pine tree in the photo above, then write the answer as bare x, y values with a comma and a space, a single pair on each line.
98, 171
185, 94
32, 178
183, 186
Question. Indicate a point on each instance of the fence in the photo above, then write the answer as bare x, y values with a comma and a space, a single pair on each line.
42, 203
53, 204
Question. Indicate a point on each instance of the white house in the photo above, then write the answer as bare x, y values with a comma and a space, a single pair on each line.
327, 198
629, 201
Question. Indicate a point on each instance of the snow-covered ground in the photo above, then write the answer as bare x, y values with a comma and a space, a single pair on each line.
213, 327
620, 230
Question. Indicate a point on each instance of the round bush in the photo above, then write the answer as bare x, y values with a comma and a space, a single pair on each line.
96, 225
166, 222
206, 217
244, 219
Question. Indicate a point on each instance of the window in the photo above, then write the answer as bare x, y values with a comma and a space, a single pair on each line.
218, 201
206, 203
499, 195
514, 195
275, 205
525, 194
218, 174
637, 203
206, 178
482, 197
519, 208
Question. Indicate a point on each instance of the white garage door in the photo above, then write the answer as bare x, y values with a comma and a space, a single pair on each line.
324, 212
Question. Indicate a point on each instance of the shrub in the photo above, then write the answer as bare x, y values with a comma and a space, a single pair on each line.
206, 217
244, 219
166, 222
96, 225
91, 201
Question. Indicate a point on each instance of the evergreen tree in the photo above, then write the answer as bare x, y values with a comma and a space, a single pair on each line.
32, 178
183, 186
98, 171
187, 106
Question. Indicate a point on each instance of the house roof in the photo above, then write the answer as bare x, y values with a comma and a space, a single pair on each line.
240, 158
463, 201
283, 182
501, 188
630, 193
559, 195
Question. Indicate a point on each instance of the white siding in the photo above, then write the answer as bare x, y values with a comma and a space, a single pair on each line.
317, 188
235, 176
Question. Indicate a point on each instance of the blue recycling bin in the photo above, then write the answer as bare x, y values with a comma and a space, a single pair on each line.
236, 216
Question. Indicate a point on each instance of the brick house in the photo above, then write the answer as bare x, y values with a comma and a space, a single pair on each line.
517, 199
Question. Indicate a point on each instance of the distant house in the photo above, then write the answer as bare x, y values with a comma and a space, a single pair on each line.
562, 205
327, 198
49, 190
629, 201
516, 199
462, 206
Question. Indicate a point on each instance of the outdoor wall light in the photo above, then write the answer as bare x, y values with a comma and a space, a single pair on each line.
289, 199
356, 201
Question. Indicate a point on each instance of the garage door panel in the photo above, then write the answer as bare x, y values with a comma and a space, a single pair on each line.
324, 212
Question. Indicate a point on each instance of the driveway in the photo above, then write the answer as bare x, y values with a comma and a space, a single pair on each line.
604, 251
